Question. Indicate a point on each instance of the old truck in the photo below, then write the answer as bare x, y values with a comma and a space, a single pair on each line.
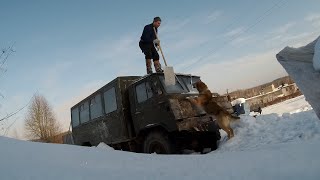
143, 114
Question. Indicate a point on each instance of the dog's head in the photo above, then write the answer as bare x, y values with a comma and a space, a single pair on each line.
200, 86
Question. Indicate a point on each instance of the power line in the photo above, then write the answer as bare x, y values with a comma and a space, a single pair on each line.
278, 4
234, 37
16, 112
225, 28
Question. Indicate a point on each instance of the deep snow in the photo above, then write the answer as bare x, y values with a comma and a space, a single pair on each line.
272, 146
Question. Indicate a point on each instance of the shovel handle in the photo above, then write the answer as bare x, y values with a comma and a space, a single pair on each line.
155, 32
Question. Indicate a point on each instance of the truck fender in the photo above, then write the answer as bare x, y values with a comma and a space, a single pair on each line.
157, 126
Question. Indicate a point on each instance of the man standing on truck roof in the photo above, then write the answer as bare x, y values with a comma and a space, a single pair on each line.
147, 44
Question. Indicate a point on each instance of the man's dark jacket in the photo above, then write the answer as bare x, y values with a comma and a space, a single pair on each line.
148, 34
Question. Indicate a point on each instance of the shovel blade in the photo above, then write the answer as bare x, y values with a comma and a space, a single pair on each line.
169, 76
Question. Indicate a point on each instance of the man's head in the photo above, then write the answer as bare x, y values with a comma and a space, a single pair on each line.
156, 22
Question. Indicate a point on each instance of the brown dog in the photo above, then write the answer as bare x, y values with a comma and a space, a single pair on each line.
205, 94
204, 100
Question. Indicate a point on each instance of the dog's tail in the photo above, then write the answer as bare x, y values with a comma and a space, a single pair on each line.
227, 113
224, 112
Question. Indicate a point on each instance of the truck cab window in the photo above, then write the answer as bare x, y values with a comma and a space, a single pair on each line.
143, 92
176, 88
188, 81
156, 85
149, 90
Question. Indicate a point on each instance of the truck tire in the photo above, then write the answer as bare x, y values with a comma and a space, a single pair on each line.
214, 145
158, 142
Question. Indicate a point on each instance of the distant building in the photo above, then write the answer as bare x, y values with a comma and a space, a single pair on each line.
270, 94
289, 89
268, 89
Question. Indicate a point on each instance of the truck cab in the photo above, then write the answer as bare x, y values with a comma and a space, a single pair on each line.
166, 110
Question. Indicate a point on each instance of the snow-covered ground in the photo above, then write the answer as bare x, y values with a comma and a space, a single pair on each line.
282, 143
291, 120
294, 105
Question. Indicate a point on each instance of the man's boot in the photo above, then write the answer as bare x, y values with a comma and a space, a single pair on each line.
148, 65
157, 66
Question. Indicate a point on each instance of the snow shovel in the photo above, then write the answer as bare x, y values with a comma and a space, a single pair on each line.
169, 75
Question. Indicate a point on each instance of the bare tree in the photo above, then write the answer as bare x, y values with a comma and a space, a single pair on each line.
40, 121
5, 120
4, 54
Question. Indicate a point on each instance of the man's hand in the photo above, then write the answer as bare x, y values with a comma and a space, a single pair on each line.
156, 41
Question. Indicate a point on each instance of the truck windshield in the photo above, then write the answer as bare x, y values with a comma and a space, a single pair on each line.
183, 84
188, 82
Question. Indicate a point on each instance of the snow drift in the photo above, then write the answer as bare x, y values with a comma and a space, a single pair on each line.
300, 64
273, 146
316, 57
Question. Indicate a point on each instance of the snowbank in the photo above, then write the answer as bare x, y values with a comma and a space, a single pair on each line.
316, 57
290, 125
256, 133
36, 161
273, 146
299, 63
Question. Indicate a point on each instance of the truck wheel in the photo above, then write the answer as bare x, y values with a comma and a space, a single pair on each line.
214, 145
159, 143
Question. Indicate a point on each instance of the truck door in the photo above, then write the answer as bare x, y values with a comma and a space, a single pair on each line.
142, 114
151, 108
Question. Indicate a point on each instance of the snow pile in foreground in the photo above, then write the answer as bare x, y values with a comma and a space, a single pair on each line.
104, 146
36, 161
270, 147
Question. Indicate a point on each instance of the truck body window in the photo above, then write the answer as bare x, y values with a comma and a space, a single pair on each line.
110, 100
96, 107
84, 112
75, 117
